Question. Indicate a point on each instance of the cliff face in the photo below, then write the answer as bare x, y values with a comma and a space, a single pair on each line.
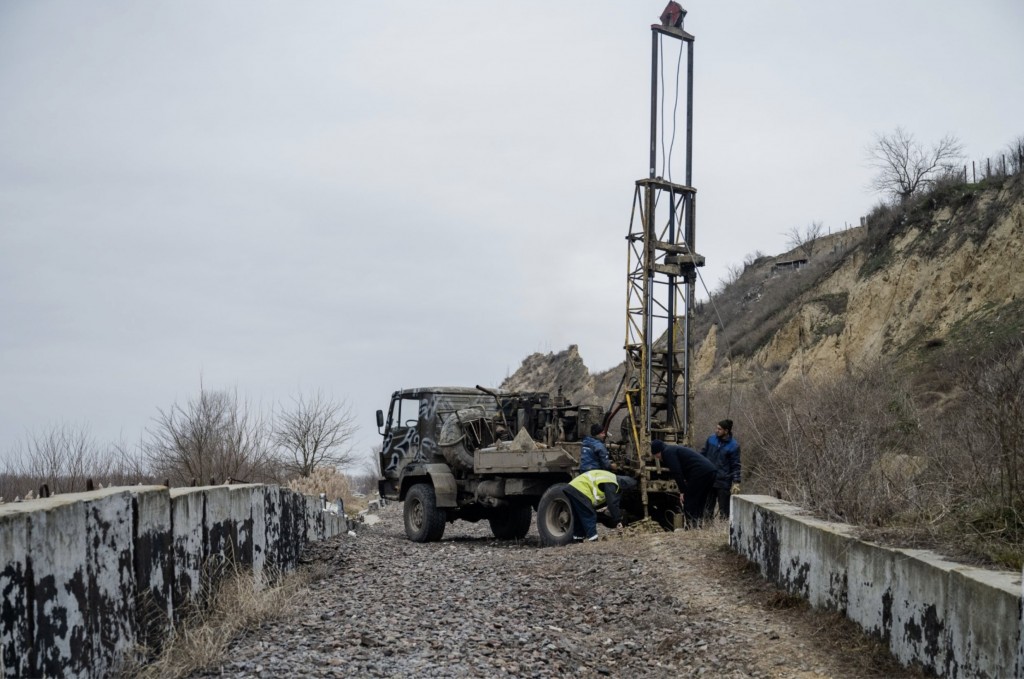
907, 287
918, 276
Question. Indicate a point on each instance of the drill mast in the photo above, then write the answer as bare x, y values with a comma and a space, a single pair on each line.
661, 271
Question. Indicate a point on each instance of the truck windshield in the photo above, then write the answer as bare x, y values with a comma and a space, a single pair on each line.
407, 412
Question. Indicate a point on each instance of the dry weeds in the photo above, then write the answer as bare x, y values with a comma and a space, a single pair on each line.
239, 604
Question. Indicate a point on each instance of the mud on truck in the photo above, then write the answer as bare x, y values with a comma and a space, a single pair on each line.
472, 454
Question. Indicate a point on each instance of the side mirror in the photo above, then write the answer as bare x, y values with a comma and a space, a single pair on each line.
380, 419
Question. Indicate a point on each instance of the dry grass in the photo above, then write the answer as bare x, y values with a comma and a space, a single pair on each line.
323, 480
238, 605
332, 482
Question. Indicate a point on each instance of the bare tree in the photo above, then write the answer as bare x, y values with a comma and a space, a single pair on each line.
905, 167
63, 457
732, 274
213, 437
750, 259
805, 240
1015, 152
315, 431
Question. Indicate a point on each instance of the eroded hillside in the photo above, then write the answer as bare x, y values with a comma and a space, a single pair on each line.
913, 279
904, 284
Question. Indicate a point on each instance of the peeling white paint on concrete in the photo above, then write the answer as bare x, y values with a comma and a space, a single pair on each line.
955, 620
113, 567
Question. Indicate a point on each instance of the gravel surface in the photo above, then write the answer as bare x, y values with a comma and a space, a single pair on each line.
637, 604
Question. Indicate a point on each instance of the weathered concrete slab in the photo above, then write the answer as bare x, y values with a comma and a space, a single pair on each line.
218, 528
60, 597
83, 582
154, 565
984, 600
272, 536
782, 540
85, 577
292, 539
315, 528
334, 524
15, 630
188, 507
111, 570
241, 500
258, 512
953, 620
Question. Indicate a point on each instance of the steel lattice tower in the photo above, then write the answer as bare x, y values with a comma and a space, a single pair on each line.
661, 272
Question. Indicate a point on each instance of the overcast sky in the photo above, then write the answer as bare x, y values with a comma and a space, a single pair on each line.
359, 197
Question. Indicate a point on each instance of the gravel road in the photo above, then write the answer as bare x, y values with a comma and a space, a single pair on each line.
630, 605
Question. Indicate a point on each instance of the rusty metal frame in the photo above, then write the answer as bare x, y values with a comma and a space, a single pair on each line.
660, 275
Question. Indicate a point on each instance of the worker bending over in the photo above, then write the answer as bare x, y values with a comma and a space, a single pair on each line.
590, 491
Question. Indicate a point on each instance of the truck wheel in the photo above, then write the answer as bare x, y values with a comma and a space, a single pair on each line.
554, 517
424, 522
513, 523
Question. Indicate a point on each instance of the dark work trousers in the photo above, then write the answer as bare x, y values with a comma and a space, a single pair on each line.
584, 516
696, 497
720, 497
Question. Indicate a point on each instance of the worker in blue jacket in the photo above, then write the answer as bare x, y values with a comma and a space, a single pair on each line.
593, 453
723, 450
693, 473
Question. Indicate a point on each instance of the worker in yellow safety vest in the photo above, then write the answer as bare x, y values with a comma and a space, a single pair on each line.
590, 491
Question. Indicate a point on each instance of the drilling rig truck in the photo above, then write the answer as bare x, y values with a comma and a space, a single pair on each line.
460, 453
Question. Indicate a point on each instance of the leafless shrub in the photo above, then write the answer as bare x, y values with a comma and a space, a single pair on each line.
905, 167
804, 241
994, 400
732, 274
1015, 155
12, 484
752, 258
214, 436
824, 446
315, 431
63, 456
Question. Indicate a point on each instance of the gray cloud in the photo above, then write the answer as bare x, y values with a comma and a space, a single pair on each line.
362, 197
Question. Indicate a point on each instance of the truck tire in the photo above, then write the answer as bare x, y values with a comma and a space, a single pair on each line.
554, 517
424, 522
453, 440
513, 523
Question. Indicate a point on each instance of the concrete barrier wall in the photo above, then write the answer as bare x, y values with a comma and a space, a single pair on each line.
87, 577
953, 620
